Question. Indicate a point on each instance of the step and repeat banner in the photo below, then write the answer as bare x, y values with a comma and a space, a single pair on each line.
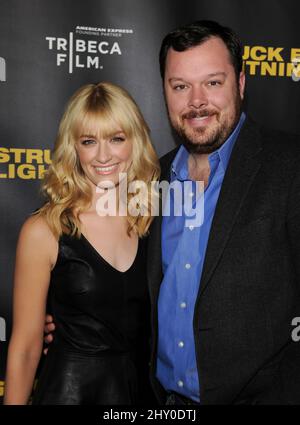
49, 48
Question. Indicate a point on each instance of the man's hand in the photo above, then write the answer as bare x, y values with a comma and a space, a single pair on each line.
48, 329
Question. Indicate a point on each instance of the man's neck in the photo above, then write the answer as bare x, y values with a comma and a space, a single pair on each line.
199, 168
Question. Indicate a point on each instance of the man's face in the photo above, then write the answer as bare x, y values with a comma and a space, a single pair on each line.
202, 94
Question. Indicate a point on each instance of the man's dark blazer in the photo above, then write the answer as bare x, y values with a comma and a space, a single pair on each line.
250, 286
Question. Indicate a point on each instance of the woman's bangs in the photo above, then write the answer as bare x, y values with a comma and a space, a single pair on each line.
100, 125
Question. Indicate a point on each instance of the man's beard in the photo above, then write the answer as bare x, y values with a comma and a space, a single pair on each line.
215, 137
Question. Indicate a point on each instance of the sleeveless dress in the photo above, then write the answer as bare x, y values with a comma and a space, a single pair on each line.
100, 351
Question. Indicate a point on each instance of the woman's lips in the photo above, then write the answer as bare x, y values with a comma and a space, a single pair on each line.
108, 169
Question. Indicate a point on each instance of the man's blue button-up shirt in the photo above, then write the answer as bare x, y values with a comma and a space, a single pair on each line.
185, 235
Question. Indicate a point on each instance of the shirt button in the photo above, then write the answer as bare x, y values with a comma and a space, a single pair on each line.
191, 194
191, 227
180, 344
183, 305
180, 383
187, 266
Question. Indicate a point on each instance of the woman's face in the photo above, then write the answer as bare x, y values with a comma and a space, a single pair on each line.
104, 158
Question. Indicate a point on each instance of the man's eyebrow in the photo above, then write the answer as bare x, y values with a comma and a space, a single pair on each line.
213, 74
176, 79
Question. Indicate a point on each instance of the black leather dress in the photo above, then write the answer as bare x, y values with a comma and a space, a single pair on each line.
100, 351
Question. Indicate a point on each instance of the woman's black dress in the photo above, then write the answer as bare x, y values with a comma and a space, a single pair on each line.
100, 351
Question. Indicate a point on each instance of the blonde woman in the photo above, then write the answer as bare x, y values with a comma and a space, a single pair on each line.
90, 264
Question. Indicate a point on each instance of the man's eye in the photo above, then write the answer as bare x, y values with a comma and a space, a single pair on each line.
214, 83
179, 87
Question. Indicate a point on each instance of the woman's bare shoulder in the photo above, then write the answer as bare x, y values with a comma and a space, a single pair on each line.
37, 227
36, 234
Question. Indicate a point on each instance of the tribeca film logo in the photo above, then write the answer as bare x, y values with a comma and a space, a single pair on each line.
2, 69
2, 329
81, 52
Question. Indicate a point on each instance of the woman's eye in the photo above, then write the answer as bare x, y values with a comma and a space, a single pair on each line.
118, 139
87, 142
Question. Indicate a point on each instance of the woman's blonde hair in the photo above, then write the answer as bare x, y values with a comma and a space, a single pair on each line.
104, 105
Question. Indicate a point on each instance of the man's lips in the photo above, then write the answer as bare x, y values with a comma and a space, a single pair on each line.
196, 119
198, 115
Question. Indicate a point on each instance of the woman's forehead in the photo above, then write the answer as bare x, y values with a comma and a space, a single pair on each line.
98, 126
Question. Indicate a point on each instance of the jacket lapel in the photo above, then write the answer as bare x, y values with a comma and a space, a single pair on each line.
242, 168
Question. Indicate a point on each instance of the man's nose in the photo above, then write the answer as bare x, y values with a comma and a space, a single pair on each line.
198, 97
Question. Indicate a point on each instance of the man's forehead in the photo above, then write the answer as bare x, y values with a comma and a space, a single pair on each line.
212, 52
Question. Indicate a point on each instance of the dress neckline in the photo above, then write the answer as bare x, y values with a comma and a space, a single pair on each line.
107, 262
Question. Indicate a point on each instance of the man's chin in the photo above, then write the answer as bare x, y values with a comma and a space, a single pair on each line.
199, 142
200, 148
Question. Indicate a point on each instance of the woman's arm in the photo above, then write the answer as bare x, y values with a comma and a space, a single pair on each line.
36, 254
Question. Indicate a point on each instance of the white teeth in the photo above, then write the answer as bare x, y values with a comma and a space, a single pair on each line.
105, 168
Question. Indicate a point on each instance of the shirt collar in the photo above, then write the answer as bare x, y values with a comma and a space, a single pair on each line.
179, 167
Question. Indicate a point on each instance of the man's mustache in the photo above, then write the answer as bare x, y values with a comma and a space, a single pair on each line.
198, 114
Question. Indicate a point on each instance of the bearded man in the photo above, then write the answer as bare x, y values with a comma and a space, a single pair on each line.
224, 293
